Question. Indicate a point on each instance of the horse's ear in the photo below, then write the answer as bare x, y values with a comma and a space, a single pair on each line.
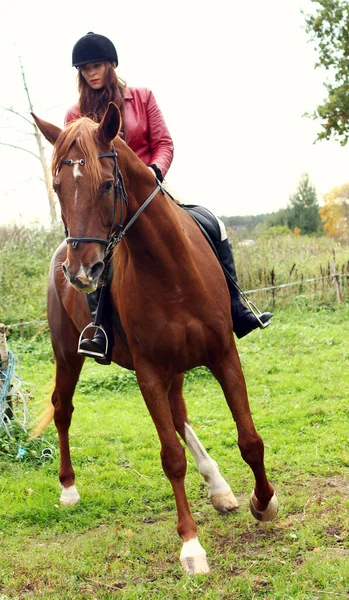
51, 132
110, 125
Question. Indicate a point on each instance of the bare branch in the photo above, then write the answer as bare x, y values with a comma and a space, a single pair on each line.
41, 156
16, 113
20, 148
18, 130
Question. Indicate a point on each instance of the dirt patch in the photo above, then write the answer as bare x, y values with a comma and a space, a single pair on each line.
337, 483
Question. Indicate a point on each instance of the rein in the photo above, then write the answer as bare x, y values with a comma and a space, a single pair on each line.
120, 196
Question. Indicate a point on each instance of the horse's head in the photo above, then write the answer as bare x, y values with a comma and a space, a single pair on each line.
86, 179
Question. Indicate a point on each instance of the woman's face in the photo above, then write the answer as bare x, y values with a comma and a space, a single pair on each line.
94, 74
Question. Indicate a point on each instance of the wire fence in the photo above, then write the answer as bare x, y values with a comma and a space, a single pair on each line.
281, 286
330, 287
333, 288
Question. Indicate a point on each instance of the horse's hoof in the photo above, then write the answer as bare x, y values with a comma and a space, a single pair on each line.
193, 558
265, 515
69, 496
224, 502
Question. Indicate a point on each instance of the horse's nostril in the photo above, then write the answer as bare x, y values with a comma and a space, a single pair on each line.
97, 269
64, 268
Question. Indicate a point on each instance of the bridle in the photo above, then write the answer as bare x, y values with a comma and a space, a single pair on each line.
116, 234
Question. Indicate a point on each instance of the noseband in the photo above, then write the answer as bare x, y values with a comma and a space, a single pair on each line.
120, 196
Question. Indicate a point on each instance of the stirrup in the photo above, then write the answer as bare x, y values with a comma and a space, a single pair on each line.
257, 313
88, 352
253, 308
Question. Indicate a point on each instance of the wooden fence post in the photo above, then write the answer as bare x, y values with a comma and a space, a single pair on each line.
335, 280
3, 347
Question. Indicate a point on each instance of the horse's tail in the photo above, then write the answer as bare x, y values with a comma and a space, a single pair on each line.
43, 422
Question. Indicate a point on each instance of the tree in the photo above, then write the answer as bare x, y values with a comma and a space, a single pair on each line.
304, 208
280, 218
328, 29
335, 212
41, 150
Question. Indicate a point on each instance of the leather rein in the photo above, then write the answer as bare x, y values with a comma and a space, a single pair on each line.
120, 197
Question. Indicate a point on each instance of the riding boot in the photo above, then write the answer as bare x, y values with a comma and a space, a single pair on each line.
100, 346
244, 320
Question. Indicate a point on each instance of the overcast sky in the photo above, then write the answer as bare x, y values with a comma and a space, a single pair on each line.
233, 80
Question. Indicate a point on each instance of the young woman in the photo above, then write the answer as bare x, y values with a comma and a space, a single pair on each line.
145, 131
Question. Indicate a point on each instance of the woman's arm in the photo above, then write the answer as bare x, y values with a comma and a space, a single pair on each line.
72, 114
160, 141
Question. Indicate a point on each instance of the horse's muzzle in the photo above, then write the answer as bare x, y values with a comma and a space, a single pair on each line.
86, 279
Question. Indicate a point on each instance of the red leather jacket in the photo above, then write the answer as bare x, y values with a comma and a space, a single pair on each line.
146, 130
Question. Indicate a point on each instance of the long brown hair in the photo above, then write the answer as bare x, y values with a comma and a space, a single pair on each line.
94, 103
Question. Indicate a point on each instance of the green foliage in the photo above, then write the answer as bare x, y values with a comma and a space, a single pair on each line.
304, 208
243, 226
275, 231
328, 29
283, 259
279, 218
16, 447
122, 381
302, 211
25, 256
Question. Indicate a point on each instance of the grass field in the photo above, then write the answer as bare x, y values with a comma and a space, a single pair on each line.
121, 540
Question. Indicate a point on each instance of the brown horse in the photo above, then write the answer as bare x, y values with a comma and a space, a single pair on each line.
171, 295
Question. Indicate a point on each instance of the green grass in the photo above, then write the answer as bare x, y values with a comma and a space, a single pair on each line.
290, 259
121, 540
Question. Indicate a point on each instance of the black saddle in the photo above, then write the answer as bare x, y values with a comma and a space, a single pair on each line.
207, 222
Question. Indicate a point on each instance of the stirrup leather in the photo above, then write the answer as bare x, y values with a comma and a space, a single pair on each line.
88, 352
253, 308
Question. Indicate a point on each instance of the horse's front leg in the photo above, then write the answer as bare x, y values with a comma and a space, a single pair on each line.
263, 501
219, 490
68, 369
154, 386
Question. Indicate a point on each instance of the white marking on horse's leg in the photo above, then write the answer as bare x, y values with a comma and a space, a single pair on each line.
193, 557
220, 493
69, 496
265, 515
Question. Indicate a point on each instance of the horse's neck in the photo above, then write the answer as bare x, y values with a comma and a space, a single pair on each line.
157, 232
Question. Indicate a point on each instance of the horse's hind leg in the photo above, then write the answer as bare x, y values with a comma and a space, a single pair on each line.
154, 386
228, 371
219, 492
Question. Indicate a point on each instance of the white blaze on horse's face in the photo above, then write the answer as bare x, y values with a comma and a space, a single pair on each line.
76, 173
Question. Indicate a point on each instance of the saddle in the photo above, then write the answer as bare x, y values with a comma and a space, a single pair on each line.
207, 223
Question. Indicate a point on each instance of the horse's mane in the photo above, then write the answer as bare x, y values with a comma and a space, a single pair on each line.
82, 133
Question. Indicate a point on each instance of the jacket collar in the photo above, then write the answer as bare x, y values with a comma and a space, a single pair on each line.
127, 93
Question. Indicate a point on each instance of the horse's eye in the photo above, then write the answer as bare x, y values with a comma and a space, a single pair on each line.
108, 187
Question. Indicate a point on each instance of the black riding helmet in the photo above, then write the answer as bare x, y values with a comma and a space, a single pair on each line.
93, 48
